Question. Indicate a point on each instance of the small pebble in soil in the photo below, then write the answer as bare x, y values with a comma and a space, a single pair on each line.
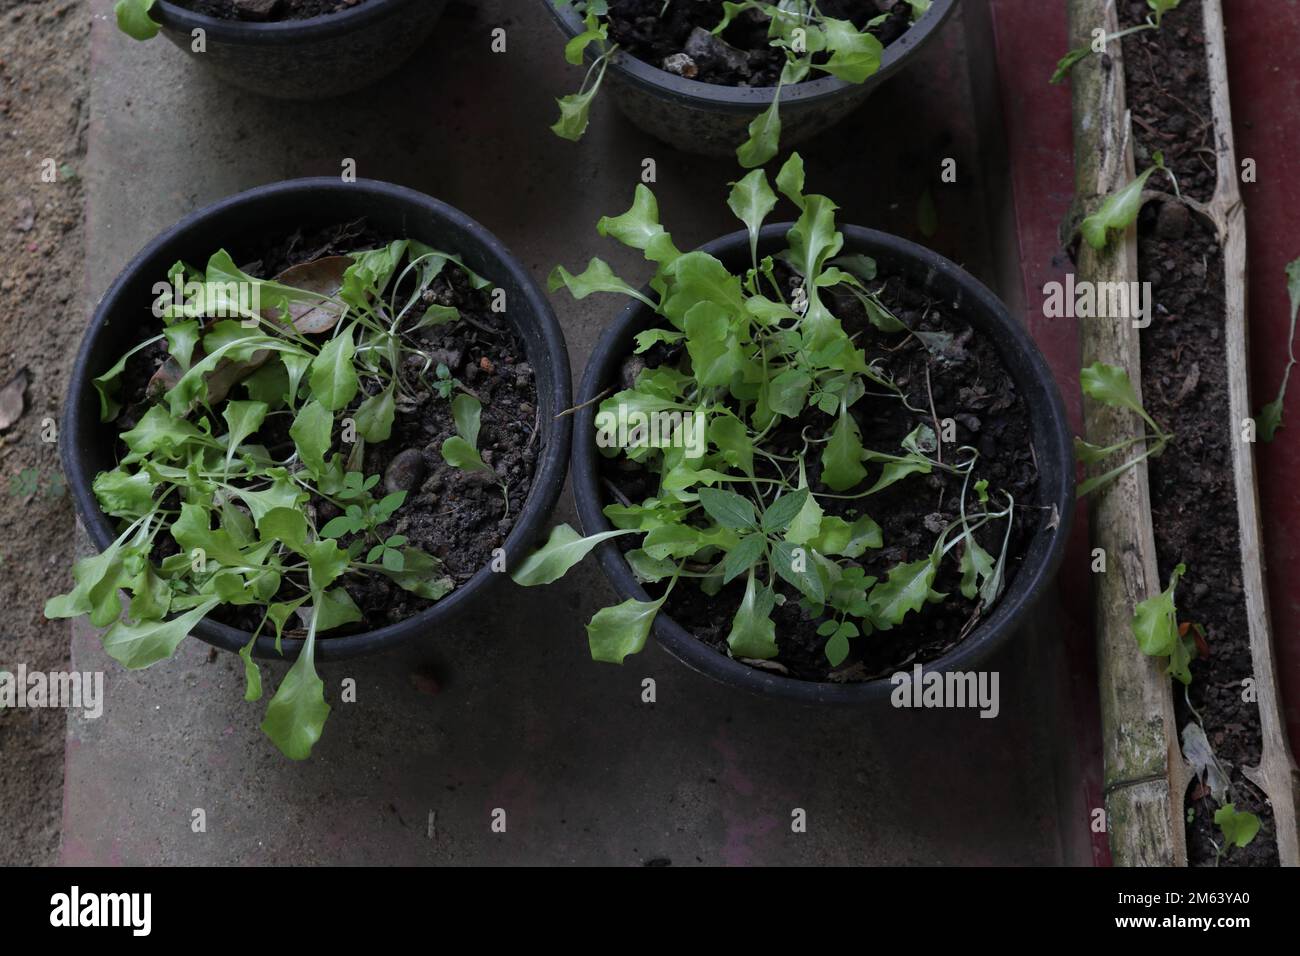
404, 471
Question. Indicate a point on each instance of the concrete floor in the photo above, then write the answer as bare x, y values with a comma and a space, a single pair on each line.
509, 712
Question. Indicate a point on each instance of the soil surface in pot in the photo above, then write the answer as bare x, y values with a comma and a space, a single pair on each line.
1167, 82
1194, 508
265, 11
457, 517
680, 40
961, 376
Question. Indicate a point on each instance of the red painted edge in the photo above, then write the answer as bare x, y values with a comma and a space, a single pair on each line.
1029, 39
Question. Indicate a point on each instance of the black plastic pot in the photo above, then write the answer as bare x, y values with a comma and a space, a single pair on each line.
311, 59
87, 445
1027, 369
713, 120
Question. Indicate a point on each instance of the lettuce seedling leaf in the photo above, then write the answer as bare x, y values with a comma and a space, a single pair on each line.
751, 199
311, 433
133, 19
842, 457
1118, 211
137, 646
333, 377
564, 549
906, 588
753, 633
855, 54
297, 713
615, 632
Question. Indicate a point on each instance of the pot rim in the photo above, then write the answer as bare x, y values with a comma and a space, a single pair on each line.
1016, 602
740, 99
548, 475
172, 16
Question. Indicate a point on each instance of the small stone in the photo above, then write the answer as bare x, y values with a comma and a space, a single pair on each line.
702, 46
1172, 221
630, 369
405, 471
680, 64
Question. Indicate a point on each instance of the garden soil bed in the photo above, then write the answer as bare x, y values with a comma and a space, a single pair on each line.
1167, 85
267, 10
1194, 506
456, 516
743, 58
968, 384
1194, 509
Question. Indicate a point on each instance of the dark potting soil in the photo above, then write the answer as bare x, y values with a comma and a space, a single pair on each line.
457, 517
1194, 507
266, 10
741, 56
970, 385
1167, 83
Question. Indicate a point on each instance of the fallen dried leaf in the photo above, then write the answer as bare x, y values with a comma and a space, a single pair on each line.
323, 277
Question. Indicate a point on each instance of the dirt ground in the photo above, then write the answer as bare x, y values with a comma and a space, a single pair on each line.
44, 67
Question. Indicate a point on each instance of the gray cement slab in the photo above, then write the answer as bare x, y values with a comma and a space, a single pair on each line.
507, 711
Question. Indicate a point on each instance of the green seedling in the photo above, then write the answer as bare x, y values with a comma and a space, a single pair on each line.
754, 355
461, 450
1120, 209
1269, 419
1238, 828
1110, 385
214, 503
1158, 10
1158, 633
809, 40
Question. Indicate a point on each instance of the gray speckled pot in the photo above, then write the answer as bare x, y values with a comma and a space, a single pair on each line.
306, 59
713, 120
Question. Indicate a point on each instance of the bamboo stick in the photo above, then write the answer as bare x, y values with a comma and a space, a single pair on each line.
1144, 776
1276, 774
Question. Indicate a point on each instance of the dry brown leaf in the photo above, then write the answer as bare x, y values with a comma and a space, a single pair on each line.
323, 277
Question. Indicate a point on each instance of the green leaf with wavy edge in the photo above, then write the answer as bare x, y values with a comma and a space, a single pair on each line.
615, 632
562, 550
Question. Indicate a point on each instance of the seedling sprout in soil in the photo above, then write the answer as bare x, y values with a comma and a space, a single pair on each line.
1110, 385
1158, 10
1120, 209
1269, 419
750, 354
1159, 634
808, 39
217, 496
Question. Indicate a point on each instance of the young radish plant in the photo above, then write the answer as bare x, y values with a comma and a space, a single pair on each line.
746, 356
1158, 10
809, 41
216, 496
